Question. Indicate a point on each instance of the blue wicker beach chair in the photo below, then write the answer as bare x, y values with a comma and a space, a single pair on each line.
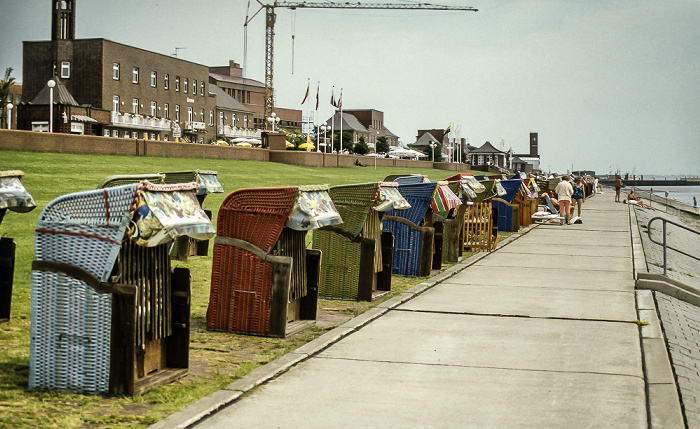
413, 235
107, 313
508, 211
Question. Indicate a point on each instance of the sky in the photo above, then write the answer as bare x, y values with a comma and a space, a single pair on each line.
608, 85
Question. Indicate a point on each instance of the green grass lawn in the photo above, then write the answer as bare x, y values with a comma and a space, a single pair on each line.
216, 358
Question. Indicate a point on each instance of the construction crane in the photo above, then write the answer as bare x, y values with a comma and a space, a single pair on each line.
270, 29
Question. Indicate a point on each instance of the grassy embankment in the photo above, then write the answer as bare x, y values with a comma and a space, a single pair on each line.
216, 358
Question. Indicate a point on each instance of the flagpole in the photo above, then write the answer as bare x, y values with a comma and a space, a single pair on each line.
318, 127
340, 102
332, 119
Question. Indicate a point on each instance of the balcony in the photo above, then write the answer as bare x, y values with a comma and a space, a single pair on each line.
129, 120
195, 127
235, 132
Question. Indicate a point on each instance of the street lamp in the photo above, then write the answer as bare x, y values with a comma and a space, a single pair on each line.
51, 83
9, 115
273, 119
324, 128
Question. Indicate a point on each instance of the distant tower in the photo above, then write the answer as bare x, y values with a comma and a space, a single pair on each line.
63, 20
533, 145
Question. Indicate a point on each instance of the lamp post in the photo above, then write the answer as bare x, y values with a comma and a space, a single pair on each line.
9, 115
51, 83
324, 128
273, 119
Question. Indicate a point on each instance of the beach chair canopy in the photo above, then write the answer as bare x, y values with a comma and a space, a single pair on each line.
444, 199
165, 212
13, 195
499, 189
511, 187
207, 180
124, 179
390, 198
407, 178
313, 209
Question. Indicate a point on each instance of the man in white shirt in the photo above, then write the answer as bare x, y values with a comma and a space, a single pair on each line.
564, 190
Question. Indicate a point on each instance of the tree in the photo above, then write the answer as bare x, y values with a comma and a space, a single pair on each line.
347, 141
382, 145
434, 154
361, 147
5, 86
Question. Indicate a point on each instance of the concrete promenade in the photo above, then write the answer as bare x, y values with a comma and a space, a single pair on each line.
541, 333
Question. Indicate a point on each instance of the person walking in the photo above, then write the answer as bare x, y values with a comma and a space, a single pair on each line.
618, 186
578, 197
564, 190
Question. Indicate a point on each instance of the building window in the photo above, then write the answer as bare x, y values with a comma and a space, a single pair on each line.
177, 112
154, 109
106, 133
248, 97
166, 81
135, 106
135, 75
65, 69
127, 135
481, 160
201, 89
186, 86
177, 83
211, 118
154, 79
115, 71
166, 111
221, 119
202, 118
115, 103
190, 112
194, 87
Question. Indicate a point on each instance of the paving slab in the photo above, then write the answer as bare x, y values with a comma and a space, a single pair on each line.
574, 263
536, 248
323, 393
547, 277
527, 301
496, 342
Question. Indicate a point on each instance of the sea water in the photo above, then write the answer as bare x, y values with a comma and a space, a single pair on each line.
683, 194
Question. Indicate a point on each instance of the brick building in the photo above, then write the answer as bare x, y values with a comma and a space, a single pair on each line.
373, 120
147, 95
251, 94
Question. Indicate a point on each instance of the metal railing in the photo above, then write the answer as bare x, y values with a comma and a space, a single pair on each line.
664, 244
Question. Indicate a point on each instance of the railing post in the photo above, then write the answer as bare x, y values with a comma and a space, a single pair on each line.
664, 232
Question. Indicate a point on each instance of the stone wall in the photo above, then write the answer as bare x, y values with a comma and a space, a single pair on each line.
71, 143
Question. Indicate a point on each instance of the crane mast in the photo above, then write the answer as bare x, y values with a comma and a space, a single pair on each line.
270, 30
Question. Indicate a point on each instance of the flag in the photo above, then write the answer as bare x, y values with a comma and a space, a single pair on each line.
340, 100
307, 93
317, 89
333, 98
447, 131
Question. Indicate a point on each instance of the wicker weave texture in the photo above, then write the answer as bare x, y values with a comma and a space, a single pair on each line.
407, 241
241, 283
354, 202
340, 269
293, 243
71, 323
